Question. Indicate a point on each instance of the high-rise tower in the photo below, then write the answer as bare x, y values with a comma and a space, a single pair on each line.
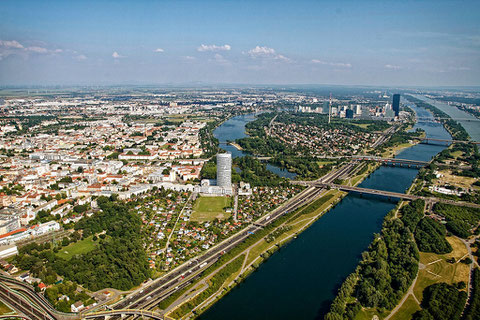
224, 170
396, 104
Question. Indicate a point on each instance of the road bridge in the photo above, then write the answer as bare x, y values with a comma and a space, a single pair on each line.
407, 162
456, 119
430, 140
392, 161
123, 313
396, 195
37, 298
22, 305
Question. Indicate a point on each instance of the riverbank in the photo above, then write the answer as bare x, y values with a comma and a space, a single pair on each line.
348, 287
261, 250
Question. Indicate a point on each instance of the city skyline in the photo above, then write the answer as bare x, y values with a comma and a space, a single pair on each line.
370, 43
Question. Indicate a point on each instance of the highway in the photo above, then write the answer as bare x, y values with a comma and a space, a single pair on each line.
180, 277
149, 296
36, 297
22, 304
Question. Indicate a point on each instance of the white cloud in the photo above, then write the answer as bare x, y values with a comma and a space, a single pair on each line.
261, 52
333, 64
266, 52
116, 55
81, 57
159, 50
11, 44
392, 67
212, 47
218, 58
37, 49
189, 58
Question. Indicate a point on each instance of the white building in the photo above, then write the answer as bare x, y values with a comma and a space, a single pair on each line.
224, 170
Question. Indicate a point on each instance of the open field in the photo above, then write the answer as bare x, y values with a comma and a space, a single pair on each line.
457, 181
437, 269
324, 162
433, 269
82, 246
368, 314
210, 208
361, 125
390, 152
409, 307
457, 154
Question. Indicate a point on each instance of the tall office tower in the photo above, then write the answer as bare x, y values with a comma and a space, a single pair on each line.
358, 109
326, 106
396, 104
224, 170
349, 114
330, 108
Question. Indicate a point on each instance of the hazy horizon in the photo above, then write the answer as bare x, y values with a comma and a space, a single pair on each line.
368, 43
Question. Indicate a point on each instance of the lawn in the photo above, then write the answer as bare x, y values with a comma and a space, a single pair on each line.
437, 269
409, 307
324, 163
368, 314
210, 208
79, 247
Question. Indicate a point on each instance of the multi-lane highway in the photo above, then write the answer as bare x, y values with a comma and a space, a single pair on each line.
180, 277
149, 296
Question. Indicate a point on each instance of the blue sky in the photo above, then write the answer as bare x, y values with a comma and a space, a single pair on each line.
407, 43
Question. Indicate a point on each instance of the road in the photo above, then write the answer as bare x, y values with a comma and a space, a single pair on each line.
149, 296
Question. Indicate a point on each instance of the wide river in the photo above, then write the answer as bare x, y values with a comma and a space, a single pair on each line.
468, 121
300, 280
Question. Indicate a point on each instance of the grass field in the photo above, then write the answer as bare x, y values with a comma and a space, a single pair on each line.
410, 306
79, 247
368, 314
4, 309
210, 208
324, 162
457, 181
390, 152
437, 269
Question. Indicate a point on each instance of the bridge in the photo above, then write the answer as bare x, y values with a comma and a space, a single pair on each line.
429, 140
392, 161
407, 162
122, 313
395, 195
23, 298
423, 119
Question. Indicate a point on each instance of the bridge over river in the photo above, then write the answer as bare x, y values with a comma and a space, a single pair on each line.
394, 195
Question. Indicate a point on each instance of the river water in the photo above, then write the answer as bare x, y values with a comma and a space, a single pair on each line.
472, 125
233, 129
300, 280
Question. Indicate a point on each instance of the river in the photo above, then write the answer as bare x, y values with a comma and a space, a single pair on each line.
300, 280
233, 129
470, 123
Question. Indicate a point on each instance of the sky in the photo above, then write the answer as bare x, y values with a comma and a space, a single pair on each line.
387, 43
